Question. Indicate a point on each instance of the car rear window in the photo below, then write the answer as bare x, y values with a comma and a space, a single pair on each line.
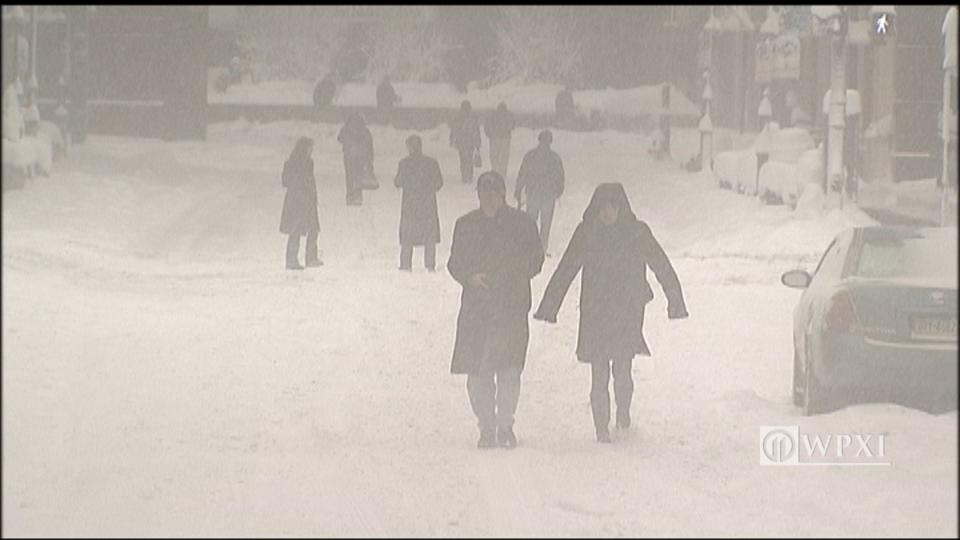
916, 254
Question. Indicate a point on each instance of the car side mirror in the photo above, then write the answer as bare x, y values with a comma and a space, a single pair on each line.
798, 279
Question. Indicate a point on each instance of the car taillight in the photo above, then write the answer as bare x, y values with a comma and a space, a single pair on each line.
841, 316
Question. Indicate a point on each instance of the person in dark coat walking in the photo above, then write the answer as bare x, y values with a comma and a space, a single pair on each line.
387, 100
324, 91
357, 145
494, 255
299, 216
465, 137
614, 249
541, 175
420, 178
498, 127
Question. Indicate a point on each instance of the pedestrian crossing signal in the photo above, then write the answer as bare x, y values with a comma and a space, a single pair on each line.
881, 27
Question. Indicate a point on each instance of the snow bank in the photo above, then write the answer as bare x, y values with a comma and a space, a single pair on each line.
533, 99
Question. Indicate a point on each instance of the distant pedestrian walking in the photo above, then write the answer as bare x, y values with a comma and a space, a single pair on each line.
299, 216
498, 128
324, 91
494, 255
420, 179
387, 97
465, 137
541, 175
614, 249
357, 145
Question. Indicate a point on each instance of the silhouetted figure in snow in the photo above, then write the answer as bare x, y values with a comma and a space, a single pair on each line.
498, 128
541, 175
614, 249
465, 137
420, 178
299, 215
564, 108
357, 145
494, 255
324, 91
387, 98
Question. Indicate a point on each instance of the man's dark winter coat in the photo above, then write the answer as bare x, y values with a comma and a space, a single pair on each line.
507, 249
420, 178
541, 173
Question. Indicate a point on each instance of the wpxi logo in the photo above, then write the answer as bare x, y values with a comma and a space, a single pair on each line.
787, 446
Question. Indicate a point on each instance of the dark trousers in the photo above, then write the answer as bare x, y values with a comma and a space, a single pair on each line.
310, 250
542, 209
429, 256
600, 393
466, 165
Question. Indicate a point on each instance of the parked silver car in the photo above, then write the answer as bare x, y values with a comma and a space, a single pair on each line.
879, 313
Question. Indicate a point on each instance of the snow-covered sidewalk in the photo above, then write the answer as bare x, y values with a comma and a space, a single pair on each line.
164, 376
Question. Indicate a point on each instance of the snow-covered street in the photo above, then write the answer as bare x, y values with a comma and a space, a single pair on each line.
163, 375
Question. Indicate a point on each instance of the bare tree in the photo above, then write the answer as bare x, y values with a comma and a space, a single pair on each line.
408, 46
537, 44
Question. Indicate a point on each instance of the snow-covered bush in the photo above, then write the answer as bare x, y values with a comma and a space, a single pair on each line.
746, 178
778, 182
787, 144
537, 44
810, 202
51, 132
725, 167
28, 156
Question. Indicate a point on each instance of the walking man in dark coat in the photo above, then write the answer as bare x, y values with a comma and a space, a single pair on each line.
495, 254
498, 127
541, 174
465, 137
614, 249
420, 178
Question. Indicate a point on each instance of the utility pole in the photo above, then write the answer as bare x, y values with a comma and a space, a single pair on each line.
838, 102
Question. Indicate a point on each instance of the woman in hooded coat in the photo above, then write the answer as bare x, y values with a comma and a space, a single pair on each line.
299, 216
613, 248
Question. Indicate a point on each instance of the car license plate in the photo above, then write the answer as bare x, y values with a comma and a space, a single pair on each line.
937, 328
